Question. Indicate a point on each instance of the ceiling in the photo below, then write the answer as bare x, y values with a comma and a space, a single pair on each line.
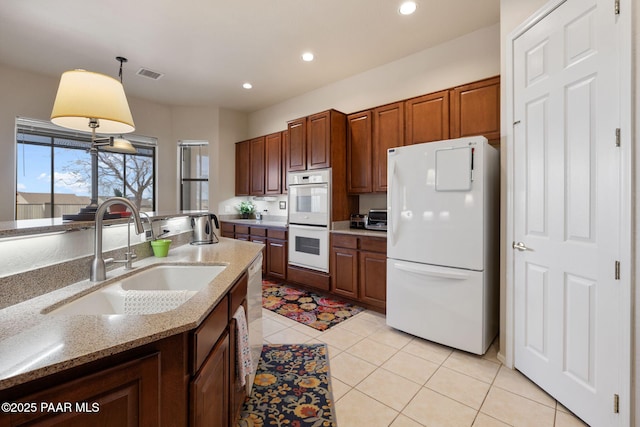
207, 49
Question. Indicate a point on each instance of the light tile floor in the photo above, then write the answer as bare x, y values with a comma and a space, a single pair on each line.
384, 377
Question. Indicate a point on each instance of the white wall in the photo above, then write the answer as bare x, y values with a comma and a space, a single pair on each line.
465, 59
233, 127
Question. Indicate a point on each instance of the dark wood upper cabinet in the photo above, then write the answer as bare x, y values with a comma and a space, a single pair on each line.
359, 152
273, 163
243, 168
257, 166
319, 140
388, 132
285, 160
297, 152
427, 118
324, 147
475, 110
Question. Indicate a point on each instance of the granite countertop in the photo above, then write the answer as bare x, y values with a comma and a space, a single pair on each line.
342, 227
33, 345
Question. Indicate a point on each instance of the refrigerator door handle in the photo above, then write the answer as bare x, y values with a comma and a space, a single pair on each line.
392, 180
432, 271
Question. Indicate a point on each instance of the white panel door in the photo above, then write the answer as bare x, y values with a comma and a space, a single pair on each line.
567, 208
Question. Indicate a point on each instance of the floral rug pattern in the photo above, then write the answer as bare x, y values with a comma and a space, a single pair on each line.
291, 388
305, 307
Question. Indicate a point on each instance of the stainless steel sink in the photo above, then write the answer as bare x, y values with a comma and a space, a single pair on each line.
157, 289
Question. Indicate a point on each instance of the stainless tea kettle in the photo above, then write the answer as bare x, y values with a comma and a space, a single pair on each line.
203, 233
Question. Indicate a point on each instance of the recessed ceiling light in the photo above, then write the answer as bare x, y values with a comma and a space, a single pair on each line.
247, 85
307, 56
408, 7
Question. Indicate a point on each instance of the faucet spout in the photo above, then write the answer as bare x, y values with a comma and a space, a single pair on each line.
98, 268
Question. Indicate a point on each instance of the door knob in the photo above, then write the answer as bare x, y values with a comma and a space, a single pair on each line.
521, 246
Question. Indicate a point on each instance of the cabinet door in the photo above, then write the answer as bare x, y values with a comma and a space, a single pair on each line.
344, 272
210, 389
388, 132
243, 168
257, 166
227, 229
297, 151
126, 395
273, 164
427, 118
285, 161
277, 255
373, 278
319, 141
475, 110
359, 152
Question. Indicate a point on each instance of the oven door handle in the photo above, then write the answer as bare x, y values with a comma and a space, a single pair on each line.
308, 227
310, 184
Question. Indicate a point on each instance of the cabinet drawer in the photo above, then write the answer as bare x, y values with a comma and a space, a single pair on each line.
277, 234
373, 244
227, 227
207, 334
237, 294
344, 241
242, 229
258, 231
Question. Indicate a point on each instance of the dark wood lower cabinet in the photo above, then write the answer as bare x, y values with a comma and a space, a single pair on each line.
344, 272
359, 269
275, 256
373, 278
210, 389
124, 395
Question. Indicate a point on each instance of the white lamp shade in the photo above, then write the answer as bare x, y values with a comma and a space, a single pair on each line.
120, 145
84, 95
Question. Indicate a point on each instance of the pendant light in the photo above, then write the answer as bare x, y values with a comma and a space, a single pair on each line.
120, 145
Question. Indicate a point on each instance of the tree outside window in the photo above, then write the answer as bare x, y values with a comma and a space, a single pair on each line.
54, 172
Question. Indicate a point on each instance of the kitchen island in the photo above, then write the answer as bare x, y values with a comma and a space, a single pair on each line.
45, 355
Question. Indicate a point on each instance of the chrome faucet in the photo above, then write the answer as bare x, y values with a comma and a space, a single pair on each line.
98, 267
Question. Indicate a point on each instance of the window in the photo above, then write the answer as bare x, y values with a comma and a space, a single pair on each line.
194, 175
54, 171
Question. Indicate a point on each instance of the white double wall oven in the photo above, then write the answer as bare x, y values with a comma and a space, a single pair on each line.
309, 216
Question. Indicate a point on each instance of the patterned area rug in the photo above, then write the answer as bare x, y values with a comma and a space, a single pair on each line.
305, 307
292, 388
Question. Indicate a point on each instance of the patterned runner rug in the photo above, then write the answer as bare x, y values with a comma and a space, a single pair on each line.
306, 307
292, 388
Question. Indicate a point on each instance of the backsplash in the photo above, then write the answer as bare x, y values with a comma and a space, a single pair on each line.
273, 205
372, 201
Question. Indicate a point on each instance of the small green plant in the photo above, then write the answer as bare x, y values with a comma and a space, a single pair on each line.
246, 207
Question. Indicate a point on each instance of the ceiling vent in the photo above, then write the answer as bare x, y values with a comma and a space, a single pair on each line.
149, 74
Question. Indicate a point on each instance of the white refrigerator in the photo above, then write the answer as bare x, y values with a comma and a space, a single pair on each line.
443, 242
